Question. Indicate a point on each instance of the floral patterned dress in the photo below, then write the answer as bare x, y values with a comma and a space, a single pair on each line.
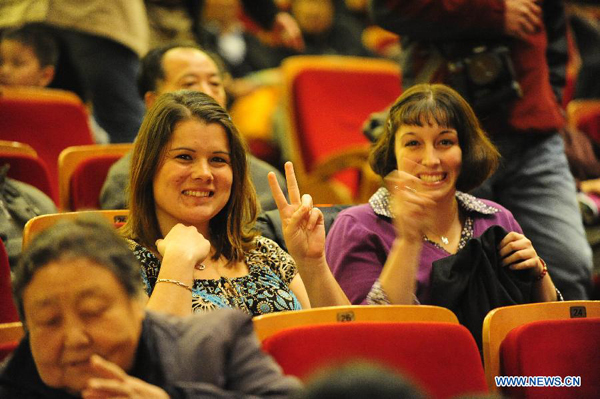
264, 289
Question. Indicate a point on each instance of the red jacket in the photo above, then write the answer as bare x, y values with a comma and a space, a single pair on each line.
426, 21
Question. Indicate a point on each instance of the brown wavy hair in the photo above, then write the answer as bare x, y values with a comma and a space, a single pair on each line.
232, 229
438, 103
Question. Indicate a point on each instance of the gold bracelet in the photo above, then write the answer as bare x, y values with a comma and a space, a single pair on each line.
176, 282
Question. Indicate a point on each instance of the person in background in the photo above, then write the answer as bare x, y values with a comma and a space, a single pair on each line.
100, 44
28, 57
433, 151
179, 20
192, 213
323, 32
585, 27
376, 39
19, 202
169, 68
359, 380
224, 33
518, 104
87, 333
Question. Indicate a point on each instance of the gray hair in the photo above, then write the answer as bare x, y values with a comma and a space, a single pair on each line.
91, 238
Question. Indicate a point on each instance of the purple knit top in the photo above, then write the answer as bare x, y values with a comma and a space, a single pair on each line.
361, 238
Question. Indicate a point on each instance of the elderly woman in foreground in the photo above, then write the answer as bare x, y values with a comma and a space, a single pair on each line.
78, 292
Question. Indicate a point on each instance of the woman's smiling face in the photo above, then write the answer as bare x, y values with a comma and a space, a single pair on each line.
431, 153
193, 182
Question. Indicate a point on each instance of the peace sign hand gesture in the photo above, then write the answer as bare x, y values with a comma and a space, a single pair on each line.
303, 225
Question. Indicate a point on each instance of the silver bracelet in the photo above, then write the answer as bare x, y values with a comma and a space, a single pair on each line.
176, 282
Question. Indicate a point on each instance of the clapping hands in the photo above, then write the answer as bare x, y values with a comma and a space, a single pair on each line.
412, 209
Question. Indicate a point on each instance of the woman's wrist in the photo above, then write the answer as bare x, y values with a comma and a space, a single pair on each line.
404, 241
542, 270
311, 265
175, 282
181, 262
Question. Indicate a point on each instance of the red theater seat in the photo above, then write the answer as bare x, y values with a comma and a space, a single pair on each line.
500, 322
31, 170
440, 358
554, 348
328, 99
48, 120
82, 172
117, 217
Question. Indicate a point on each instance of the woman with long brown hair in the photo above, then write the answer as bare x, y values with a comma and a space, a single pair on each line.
192, 213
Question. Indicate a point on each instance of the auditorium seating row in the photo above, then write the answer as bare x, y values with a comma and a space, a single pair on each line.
327, 146
326, 142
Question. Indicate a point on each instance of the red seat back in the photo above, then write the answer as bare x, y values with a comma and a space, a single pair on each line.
31, 170
441, 358
569, 347
47, 123
87, 181
331, 107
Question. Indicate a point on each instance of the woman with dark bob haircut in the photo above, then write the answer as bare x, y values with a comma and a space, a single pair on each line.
479, 156
192, 214
78, 291
432, 151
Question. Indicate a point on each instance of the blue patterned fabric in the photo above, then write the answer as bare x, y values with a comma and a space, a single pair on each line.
264, 289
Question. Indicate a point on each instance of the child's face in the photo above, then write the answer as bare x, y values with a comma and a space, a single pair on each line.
19, 66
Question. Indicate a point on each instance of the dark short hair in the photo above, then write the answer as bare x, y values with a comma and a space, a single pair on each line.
151, 67
232, 229
39, 38
440, 104
87, 237
359, 380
